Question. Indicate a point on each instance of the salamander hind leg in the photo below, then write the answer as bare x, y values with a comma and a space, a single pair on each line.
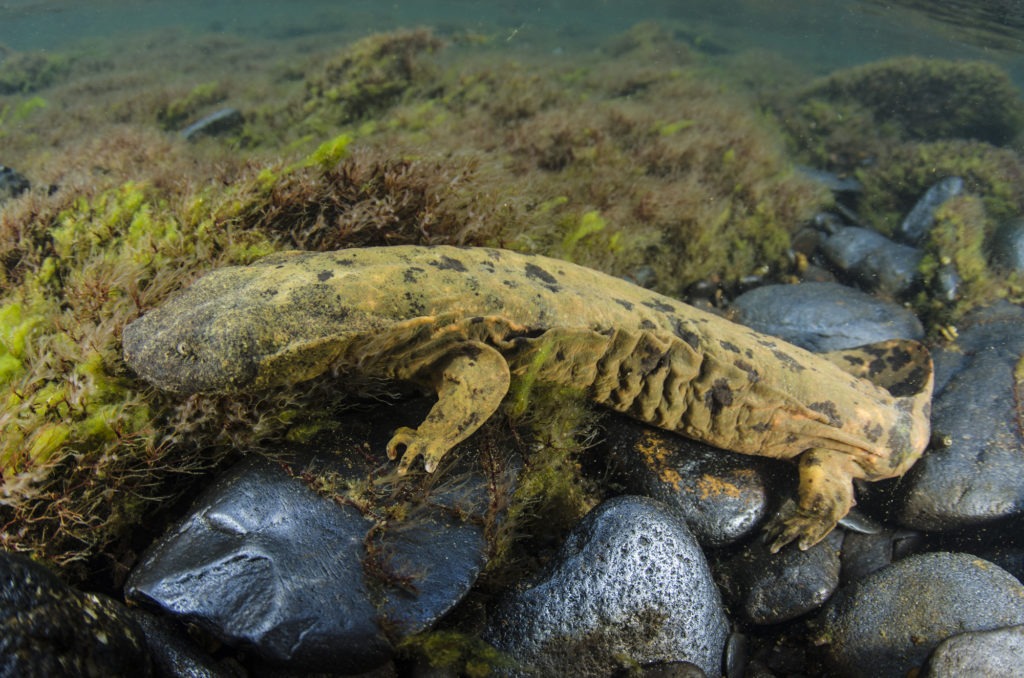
470, 383
825, 496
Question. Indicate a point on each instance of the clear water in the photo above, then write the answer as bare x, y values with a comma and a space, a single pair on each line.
826, 33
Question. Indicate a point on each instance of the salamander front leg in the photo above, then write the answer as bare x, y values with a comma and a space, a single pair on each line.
825, 496
470, 385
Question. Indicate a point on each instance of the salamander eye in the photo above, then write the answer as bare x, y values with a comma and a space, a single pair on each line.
185, 351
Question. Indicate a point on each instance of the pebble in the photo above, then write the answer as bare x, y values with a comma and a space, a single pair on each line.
12, 183
630, 582
770, 588
864, 554
322, 581
1008, 245
722, 495
888, 623
994, 654
50, 629
872, 261
831, 180
219, 122
824, 316
919, 221
980, 476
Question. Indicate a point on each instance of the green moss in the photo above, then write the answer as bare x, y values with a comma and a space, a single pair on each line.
465, 654
902, 174
329, 153
932, 98
31, 71
175, 114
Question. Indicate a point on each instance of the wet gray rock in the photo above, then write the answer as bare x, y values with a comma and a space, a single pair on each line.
50, 629
12, 183
316, 562
824, 316
871, 260
771, 588
921, 218
722, 495
980, 476
888, 623
994, 654
831, 180
629, 584
217, 123
1007, 245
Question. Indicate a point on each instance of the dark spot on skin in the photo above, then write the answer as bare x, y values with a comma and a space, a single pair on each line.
415, 304
511, 284
876, 367
898, 358
646, 324
752, 374
448, 264
911, 384
344, 262
605, 331
898, 442
718, 397
628, 305
788, 360
476, 320
659, 305
686, 335
749, 354
761, 428
853, 359
828, 408
767, 343
470, 350
411, 274
537, 273
729, 346
791, 438
560, 355
269, 293
873, 432
324, 276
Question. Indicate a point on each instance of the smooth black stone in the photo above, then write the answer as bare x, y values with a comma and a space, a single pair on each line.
980, 476
323, 580
50, 629
872, 261
824, 316
1007, 245
771, 588
723, 495
219, 122
629, 581
864, 554
993, 654
921, 218
173, 653
888, 623
12, 183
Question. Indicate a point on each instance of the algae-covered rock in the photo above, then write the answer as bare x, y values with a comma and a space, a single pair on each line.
931, 98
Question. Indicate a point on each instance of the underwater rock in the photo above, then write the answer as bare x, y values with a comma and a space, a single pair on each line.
219, 122
50, 629
864, 554
994, 654
770, 588
887, 624
871, 260
980, 475
831, 180
173, 653
1008, 245
722, 495
328, 579
919, 221
12, 183
629, 581
824, 316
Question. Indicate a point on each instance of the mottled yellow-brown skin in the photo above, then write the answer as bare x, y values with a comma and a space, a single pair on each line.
462, 321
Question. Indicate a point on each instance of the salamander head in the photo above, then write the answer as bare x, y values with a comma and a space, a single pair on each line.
240, 328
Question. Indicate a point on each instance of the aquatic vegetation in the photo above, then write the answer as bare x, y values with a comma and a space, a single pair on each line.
26, 72
931, 98
176, 113
368, 76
